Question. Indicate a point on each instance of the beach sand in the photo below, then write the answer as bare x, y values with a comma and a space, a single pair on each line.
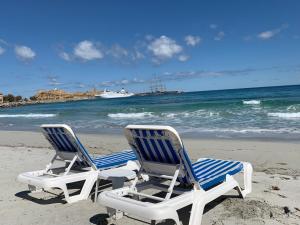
276, 182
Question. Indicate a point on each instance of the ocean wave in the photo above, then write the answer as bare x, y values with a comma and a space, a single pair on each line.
285, 115
190, 114
251, 102
295, 107
173, 115
245, 131
29, 115
131, 115
170, 115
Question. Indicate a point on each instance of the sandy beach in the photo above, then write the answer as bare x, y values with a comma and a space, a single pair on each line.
276, 180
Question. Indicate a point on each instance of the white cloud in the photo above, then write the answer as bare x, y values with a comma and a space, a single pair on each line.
164, 48
149, 37
87, 50
53, 80
220, 35
268, 34
213, 26
2, 50
3, 42
137, 55
25, 53
55, 83
118, 51
125, 56
124, 82
192, 40
65, 56
183, 58
106, 84
137, 80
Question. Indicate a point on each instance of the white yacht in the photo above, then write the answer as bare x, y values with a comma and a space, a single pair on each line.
113, 94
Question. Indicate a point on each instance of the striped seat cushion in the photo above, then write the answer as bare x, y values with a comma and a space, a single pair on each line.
113, 160
210, 172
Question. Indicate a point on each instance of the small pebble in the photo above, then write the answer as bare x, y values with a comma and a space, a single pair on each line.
286, 210
275, 188
282, 196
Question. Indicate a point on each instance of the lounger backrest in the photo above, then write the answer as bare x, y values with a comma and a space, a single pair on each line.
159, 148
66, 144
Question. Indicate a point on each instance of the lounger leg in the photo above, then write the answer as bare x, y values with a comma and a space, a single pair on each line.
197, 210
66, 193
173, 216
96, 190
176, 219
116, 183
86, 189
248, 170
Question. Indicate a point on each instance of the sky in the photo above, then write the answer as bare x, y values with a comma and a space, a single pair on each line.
189, 45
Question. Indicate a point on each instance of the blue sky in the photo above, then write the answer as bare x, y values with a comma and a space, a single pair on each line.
190, 45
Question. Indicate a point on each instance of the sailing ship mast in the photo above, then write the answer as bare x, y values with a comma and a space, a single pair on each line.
157, 86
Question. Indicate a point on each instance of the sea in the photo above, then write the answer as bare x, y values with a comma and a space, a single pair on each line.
259, 113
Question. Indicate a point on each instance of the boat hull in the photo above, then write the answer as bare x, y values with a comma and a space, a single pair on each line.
105, 95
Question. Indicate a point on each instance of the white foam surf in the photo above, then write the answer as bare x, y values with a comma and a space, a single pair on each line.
285, 115
295, 107
246, 131
131, 115
251, 102
191, 114
29, 115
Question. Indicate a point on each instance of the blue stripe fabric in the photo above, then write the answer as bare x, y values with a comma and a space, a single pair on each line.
153, 147
63, 141
210, 172
59, 140
115, 159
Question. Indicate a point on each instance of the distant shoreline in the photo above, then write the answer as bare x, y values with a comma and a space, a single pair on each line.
17, 104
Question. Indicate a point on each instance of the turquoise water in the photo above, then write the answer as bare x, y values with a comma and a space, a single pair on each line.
272, 112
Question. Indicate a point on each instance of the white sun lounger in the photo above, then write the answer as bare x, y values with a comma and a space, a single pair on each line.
163, 158
78, 165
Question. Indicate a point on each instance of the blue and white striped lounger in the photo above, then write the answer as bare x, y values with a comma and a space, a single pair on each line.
79, 165
163, 157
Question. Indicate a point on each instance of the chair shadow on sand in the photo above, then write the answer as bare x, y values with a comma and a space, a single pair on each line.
101, 219
57, 196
